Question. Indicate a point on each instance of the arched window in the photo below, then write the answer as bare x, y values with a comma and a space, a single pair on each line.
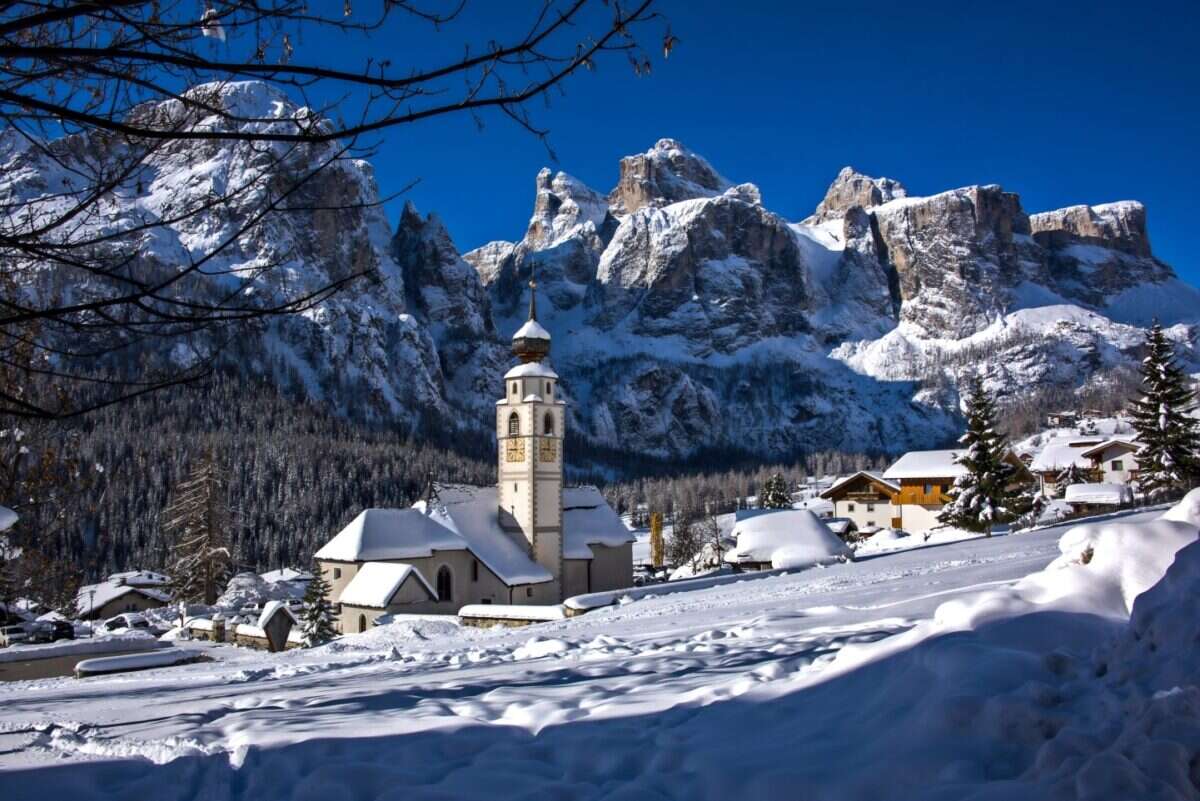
549, 423
514, 424
362, 622
445, 590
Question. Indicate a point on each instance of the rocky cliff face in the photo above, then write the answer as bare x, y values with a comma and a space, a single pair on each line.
686, 316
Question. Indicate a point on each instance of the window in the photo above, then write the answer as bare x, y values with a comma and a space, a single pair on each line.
485, 600
928, 489
514, 424
445, 590
870, 524
362, 622
870, 507
337, 572
514, 388
474, 570
547, 388
849, 507
514, 486
1117, 464
529, 592
549, 428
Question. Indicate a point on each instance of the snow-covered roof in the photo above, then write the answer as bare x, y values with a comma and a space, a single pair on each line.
1125, 444
1114, 494
473, 514
94, 596
465, 519
141, 578
926, 464
1059, 454
468, 518
376, 583
285, 574
531, 330
872, 475
589, 520
839, 525
785, 538
531, 370
385, 534
272, 608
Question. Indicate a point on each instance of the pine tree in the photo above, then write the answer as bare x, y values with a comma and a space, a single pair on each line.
775, 494
316, 624
198, 521
657, 546
1169, 457
984, 495
1071, 474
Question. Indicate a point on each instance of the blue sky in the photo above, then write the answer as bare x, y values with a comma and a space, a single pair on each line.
1062, 103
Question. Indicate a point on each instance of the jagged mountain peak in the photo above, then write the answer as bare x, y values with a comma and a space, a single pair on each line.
666, 173
852, 188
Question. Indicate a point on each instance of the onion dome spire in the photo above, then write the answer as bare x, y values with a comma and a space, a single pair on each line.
531, 343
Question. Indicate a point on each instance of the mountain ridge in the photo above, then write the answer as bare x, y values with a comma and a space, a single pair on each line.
687, 316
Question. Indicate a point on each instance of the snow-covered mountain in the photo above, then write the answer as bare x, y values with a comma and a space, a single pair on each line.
686, 315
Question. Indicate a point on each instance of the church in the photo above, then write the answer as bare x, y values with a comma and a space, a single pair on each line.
527, 540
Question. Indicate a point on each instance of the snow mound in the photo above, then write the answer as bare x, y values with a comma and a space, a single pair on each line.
787, 539
398, 631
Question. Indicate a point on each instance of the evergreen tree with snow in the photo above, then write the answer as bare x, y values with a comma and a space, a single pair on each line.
198, 520
316, 624
1071, 474
775, 494
984, 495
1169, 458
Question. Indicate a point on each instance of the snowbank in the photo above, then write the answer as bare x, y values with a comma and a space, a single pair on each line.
787, 539
131, 641
596, 600
121, 664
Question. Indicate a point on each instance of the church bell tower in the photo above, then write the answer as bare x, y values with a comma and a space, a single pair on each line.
529, 428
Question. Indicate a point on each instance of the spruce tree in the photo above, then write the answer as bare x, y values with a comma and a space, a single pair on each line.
198, 521
775, 494
316, 624
1071, 474
1169, 457
984, 495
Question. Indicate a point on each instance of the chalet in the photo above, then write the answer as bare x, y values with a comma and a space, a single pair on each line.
925, 479
1114, 461
131, 591
1056, 456
867, 499
526, 540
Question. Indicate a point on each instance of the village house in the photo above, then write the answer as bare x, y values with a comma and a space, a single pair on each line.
1114, 461
131, 591
925, 479
867, 499
1056, 456
526, 540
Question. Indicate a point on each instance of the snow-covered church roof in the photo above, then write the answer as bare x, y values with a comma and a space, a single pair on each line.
468, 518
376, 583
531, 370
532, 330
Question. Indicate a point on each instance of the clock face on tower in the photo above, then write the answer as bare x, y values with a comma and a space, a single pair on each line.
547, 450
514, 450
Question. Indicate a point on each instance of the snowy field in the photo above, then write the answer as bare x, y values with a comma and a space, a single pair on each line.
783, 687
